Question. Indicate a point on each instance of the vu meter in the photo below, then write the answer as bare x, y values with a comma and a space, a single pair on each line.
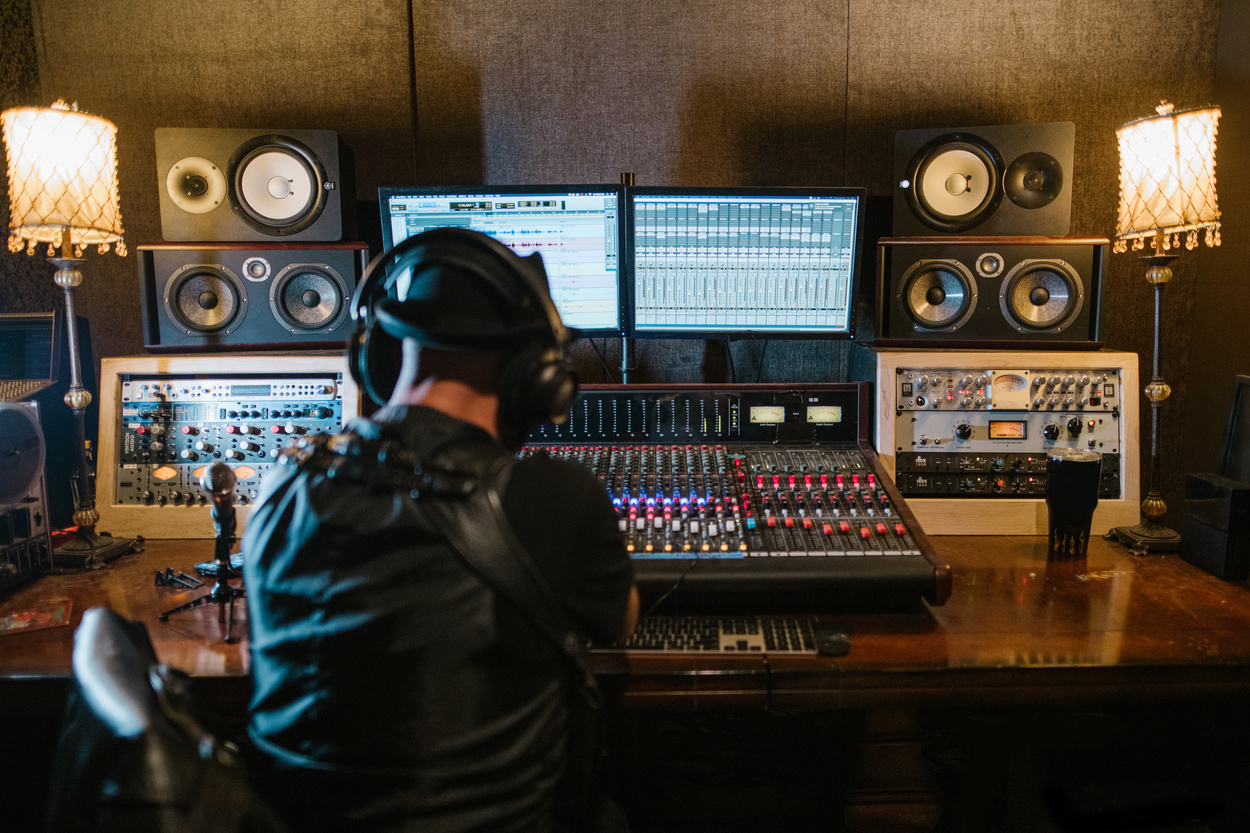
768, 414
824, 413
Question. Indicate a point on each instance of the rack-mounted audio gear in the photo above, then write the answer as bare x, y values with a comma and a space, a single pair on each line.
164, 420
761, 498
965, 433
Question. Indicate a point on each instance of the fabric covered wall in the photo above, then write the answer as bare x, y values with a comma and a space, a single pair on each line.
703, 92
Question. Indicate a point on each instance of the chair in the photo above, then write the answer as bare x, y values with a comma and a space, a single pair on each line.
131, 757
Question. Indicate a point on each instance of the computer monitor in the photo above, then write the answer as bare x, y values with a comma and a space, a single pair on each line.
744, 262
576, 228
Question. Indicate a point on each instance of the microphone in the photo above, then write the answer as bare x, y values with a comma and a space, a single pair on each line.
219, 481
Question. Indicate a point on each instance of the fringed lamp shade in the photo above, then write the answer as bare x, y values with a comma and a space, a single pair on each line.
62, 178
1167, 179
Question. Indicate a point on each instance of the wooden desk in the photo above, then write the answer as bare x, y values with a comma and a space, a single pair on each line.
1115, 630
1016, 629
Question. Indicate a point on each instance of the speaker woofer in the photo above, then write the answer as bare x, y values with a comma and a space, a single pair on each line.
205, 300
309, 298
938, 294
278, 184
954, 182
1033, 180
1041, 295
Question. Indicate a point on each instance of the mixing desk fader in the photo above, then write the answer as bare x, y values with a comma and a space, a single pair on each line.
765, 498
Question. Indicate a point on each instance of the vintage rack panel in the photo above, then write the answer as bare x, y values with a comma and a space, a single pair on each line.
762, 498
163, 419
964, 433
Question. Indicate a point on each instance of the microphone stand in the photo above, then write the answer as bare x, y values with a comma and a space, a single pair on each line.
219, 482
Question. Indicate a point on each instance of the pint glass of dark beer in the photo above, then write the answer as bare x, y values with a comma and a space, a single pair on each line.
1072, 476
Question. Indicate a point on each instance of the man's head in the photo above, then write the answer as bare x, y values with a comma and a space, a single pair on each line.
469, 297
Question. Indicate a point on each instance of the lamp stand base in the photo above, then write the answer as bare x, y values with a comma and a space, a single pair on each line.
1144, 539
89, 550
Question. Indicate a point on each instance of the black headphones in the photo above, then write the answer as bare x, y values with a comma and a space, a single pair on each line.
536, 383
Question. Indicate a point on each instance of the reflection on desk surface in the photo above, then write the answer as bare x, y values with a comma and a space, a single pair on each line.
1009, 609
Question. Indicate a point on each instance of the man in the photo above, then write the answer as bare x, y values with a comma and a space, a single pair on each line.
394, 687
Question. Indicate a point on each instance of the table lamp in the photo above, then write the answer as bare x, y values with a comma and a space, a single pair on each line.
1167, 189
62, 167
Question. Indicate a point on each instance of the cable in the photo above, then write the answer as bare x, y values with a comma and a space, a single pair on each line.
607, 372
760, 367
670, 590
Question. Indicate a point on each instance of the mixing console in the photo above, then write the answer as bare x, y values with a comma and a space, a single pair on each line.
769, 491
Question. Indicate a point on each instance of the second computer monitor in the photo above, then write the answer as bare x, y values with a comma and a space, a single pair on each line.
576, 228
740, 262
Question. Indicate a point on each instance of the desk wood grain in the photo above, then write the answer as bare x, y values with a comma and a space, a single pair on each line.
1113, 628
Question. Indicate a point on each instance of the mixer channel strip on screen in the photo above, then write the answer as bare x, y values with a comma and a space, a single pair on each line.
760, 498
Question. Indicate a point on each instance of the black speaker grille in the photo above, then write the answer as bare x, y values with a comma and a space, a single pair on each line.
205, 299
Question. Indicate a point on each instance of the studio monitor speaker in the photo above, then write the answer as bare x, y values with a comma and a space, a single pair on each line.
989, 291
234, 296
986, 181
246, 185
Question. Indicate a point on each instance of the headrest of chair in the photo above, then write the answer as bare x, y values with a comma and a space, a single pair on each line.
111, 661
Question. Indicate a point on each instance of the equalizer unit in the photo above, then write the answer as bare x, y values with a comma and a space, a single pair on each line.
965, 434
165, 420
762, 498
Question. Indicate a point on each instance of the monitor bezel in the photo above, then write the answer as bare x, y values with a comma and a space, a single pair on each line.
860, 195
385, 193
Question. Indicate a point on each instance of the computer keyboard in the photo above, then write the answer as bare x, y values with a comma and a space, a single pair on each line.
723, 634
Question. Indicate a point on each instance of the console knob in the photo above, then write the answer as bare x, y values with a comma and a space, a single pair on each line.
1039, 402
1037, 381
203, 446
982, 381
980, 402
965, 381
1054, 380
922, 382
963, 431
1082, 382
188, 454
157, 445
965, 402
1068, 381
1074, 427
921, 401
1051, 432
234, 454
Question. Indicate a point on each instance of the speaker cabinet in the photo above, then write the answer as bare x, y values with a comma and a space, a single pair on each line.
248, 185
1006, 180
233, 296
989, 291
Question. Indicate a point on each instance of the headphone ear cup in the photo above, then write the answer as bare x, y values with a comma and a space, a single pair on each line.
374, 359
536, 386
